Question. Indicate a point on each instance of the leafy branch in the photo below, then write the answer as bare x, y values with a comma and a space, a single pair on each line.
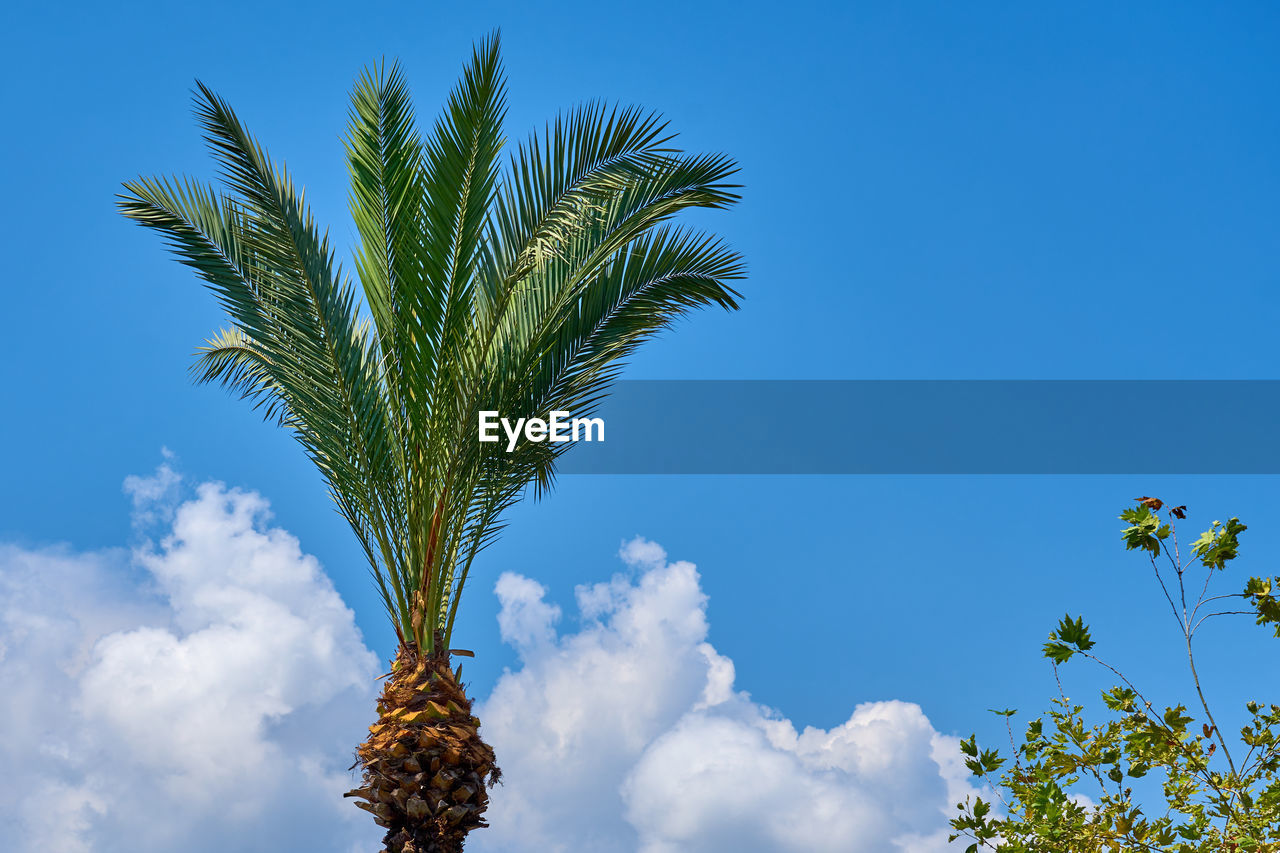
1211, 801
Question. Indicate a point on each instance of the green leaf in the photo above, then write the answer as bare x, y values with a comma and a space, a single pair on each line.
1220, 544
1144, 531
518, 284
1070, 637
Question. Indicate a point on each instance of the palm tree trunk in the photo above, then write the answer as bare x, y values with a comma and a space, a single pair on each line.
426, 769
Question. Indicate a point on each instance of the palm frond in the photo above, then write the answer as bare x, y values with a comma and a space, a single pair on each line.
673, 184
521, 289
385, 160
231, 359
560, 182
263, 256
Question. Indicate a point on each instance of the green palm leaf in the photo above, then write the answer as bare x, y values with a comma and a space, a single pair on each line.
517, 284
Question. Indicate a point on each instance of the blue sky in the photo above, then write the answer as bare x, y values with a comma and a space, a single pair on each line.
932, 190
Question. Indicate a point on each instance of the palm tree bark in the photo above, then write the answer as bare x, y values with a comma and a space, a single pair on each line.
426, 769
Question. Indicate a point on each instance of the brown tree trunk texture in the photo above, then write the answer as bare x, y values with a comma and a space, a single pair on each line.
426, 770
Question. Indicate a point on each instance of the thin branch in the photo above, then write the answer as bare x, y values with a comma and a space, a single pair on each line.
1165, 589
1220, 613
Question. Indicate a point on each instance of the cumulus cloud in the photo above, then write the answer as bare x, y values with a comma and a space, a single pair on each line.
201, 693
630, 736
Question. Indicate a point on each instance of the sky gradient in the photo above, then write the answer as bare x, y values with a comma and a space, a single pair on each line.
932, 191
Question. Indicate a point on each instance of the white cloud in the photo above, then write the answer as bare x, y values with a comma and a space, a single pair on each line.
154, 497
203, 694
525, 620
629, 736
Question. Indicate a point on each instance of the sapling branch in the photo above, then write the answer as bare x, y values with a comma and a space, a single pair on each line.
1188, 631
1204, 589
1213, 804
1204, 703
1202, 619
1169, 598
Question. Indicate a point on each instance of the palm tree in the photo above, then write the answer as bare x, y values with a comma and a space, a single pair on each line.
515, 287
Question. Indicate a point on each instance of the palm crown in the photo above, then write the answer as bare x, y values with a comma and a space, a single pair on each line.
514, 284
